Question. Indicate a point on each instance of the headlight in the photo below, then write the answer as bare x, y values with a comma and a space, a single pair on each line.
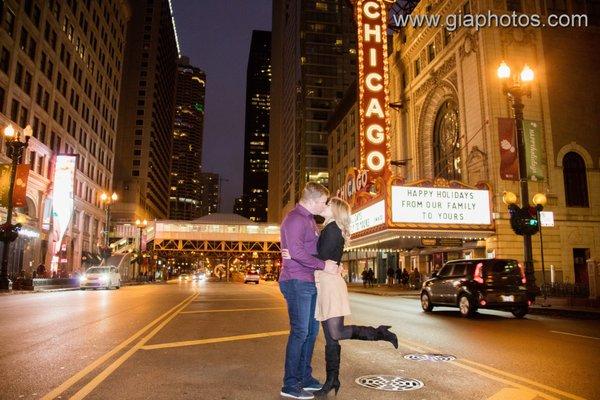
82, 278
104, 278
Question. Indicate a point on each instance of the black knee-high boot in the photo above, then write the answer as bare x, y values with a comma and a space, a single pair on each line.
370, 333
332, 366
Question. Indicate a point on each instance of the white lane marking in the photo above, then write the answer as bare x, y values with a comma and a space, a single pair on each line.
573, 334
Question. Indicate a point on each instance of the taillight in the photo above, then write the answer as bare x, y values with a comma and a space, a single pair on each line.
478, 276
523, 278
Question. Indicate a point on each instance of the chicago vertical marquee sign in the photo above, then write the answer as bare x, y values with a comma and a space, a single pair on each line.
373, 94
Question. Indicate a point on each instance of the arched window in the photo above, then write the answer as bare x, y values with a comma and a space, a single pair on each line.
446, 142
575, 177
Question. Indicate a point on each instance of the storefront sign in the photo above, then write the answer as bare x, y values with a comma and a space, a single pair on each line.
442, 242
373, 97
431, 205
62, 197
534, 150
368, 217
356, 180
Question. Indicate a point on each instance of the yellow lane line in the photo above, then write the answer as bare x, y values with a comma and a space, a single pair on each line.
499, 372
514, 394
232, 310
81, 374
214, 340
119, 361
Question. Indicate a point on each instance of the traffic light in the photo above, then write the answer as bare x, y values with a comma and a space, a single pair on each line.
524, 221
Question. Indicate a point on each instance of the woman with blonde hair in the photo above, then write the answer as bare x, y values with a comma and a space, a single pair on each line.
332, 295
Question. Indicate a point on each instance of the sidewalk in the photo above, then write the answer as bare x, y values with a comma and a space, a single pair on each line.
50, 290
565, 307
382, 289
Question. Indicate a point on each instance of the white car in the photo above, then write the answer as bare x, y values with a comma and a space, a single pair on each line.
252, 276
100, 277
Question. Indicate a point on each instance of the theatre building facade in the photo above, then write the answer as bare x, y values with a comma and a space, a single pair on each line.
451, 148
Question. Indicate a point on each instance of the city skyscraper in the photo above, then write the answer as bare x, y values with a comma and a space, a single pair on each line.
60, 72
256, 144
210, 193
314, 61
143, 155
186, 157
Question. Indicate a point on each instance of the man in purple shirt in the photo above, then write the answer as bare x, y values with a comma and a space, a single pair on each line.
299, 236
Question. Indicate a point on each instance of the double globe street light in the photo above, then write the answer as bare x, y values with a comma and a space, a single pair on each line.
16, 143
515, 88
141, 225
107, 201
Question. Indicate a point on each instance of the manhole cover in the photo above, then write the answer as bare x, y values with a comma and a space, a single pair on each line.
390, 383
430, 357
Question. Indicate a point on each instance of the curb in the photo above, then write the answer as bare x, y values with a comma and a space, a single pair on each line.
384, 294
17, 292
580, 314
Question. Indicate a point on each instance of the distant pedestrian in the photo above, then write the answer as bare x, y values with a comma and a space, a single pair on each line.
370, 277
405, 277
390, 276
416, 279
398, 275
365, 277
41, 270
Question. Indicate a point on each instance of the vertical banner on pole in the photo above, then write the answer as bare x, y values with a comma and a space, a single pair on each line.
20, 188
534, 150
509, 156
4, 183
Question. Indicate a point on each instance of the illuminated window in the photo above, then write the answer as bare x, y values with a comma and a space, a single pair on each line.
446, 142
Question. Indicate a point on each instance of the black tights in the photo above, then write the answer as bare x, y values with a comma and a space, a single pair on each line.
335, 330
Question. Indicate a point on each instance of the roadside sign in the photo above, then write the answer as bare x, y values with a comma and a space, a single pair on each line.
546, 218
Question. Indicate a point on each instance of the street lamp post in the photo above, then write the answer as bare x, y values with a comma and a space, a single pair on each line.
540, 201
140, 225
516, 88
9, 232
107, 202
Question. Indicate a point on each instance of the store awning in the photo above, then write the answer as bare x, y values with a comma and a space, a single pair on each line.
406, 239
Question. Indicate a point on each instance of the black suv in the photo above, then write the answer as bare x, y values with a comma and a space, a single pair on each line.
497, 284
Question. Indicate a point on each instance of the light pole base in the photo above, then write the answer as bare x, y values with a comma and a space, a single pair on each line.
5, 284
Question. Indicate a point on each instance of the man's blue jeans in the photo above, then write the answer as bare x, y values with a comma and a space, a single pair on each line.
301, 298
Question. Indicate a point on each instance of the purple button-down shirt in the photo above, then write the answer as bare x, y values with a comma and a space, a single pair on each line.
299, 236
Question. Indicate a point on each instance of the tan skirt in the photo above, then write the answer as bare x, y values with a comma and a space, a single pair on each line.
332, 296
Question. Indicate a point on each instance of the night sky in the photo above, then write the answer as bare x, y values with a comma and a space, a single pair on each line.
215, 35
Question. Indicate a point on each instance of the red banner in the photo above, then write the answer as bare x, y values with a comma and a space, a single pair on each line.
509, 155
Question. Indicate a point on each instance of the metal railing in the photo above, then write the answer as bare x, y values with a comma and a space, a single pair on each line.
556, 289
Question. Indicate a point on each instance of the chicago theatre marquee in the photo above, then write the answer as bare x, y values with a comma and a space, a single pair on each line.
420, 223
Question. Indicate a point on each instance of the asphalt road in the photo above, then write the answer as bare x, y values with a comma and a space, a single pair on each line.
216, 340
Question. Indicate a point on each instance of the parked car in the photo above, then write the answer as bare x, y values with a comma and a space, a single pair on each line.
497, 284
100, 277
252, 276
184, 277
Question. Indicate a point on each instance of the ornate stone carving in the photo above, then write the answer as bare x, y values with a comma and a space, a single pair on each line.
477, 166
517, 36
469, 45
436, 76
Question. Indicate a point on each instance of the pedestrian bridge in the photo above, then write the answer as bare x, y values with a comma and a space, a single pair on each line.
217, 235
